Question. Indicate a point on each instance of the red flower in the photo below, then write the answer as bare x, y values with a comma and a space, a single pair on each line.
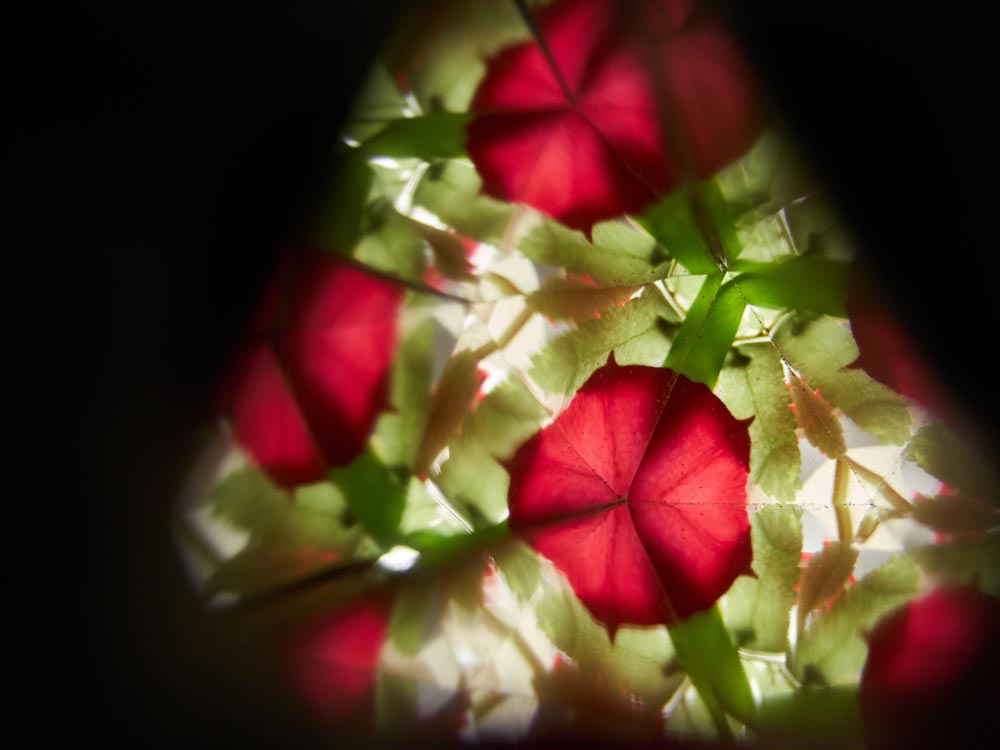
594, 141
334, 662
308, 385
931, 671
637, 492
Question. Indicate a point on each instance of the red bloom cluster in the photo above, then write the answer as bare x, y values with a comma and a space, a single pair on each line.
637, 96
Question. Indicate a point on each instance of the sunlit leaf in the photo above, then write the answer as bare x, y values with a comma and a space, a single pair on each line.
708, 655
825, 575
638, 332
290, 534
832, 650
753, 385
619, 255
956, 514
967, 560
799, 283
676, 225
821, 350
757, 609
451, 190
453, 396
376, 496
437, 135
946, 455
392, 245
816, 418
575, 300
379, 101
706, 335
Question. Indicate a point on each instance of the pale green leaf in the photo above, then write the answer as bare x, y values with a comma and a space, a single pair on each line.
816, 418
620, 255
753, 385
638, 332
570, 299
761, 622
392, 245
412, 615
832, 713
970, 560
520, 567
826, 573
453, 396
956, 514
451, 190
817, 230
290, 535
438, 135
833, 650
821, 350
764, 181
951, 458
636, 661
379, 102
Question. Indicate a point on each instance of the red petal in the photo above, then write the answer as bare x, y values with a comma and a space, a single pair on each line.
637, 492
334, 661
313, 388
598, 152
931, 669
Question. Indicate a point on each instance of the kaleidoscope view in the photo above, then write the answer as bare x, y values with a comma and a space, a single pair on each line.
574, 415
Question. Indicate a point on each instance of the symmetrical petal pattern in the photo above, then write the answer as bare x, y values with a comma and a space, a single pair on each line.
598, 131
637, 492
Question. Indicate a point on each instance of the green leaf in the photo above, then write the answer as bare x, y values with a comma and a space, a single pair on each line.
450, 52
956, 514
638, 332
821, 349
800, 283
336, 224
472, 476
832, 713
832, 650
453, 396
816, 229
449, 252
452, 191
392, 245
412, 615
397, 436
765, 180
674, 225
376, 496
289, 535
973, 560
761, 623
706, 335
561, 299
520, 567
707, 654
395, 703
946, 455
753, 385
379, 102
635, 662
619, 255
825, 575
816, 418
439, 135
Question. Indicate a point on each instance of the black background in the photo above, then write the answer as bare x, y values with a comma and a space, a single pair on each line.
171, 148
